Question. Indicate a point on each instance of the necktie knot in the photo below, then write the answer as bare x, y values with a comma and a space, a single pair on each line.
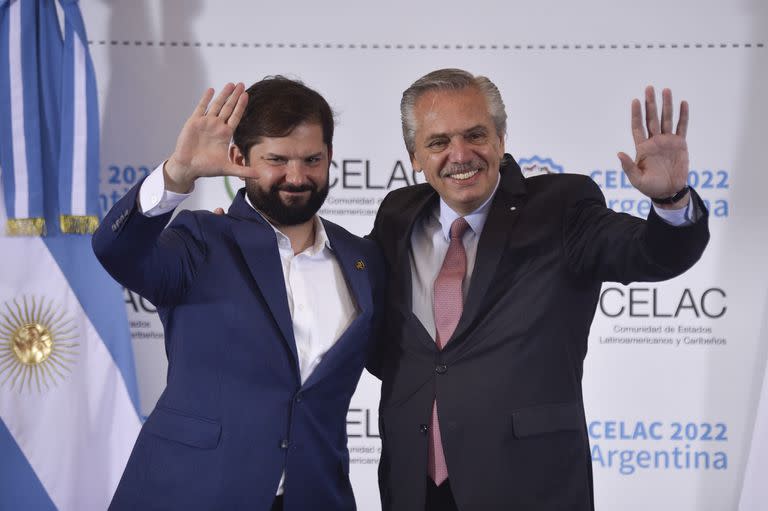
458, 228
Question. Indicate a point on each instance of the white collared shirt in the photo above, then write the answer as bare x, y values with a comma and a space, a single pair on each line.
319, 300
429, 244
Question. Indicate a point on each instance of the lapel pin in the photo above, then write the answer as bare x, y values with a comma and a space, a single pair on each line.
513, 208
360, 265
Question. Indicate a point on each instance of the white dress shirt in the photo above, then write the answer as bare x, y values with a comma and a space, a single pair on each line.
319, 299
431, 236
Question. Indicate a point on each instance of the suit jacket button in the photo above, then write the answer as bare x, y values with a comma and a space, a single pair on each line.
441, 369
423, 428
284, 443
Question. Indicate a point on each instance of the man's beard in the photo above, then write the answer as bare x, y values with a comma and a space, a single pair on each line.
270, 203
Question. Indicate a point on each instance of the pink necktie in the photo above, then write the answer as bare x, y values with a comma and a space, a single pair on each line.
448, 304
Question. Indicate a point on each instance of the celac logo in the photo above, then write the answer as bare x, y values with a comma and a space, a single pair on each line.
536, 166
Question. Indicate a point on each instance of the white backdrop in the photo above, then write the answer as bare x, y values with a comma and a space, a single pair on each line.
674, 370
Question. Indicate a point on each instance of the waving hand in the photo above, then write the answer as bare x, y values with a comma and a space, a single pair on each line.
203, 144
660, 168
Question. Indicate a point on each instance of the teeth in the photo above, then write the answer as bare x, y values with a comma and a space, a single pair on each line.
465, 175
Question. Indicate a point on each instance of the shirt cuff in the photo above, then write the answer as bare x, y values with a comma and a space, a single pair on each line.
154, 199
679, 217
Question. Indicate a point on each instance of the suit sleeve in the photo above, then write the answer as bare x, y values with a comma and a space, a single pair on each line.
608, 246
143, 255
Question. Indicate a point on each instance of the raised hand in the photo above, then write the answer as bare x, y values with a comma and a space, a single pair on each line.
660, 168
203, 144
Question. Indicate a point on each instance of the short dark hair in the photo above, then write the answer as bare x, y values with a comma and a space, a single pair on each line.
276, 105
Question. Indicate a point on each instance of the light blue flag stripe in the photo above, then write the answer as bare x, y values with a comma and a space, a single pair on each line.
100, 299
18, 482
51, 54
6, 136
67, 122
34, 173
78, 186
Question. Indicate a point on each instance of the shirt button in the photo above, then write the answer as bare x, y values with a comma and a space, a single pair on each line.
441, 369
284, 443
301, 307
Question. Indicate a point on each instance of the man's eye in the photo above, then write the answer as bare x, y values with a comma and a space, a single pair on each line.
276, 159
436, 144
313, 159
476, 137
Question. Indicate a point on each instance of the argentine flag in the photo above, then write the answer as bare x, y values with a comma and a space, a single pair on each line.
68, 398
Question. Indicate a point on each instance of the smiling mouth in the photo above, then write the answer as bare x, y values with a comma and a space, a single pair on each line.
464, 175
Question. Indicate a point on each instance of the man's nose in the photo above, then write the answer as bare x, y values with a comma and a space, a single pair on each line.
295, 173
459, 150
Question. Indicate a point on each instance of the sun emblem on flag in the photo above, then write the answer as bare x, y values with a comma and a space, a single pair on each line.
37, 345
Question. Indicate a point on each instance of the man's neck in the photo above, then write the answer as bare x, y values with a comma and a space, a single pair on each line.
302, 236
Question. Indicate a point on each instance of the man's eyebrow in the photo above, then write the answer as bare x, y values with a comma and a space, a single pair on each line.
477, 128
276, 155
473, 129
433, 136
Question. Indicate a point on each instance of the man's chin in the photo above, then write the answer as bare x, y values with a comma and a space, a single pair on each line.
296, 201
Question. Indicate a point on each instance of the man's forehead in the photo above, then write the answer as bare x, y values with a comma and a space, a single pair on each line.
304, 138
452, 110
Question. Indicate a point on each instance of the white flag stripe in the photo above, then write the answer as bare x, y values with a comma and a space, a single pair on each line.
80, 131
20, 173
78, 434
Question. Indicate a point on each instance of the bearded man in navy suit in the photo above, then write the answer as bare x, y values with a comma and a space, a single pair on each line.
268, 311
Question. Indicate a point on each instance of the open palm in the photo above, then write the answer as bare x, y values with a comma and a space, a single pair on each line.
202, 149
660, 167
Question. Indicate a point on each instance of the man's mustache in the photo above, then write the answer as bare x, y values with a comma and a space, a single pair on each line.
460, 168
295, 188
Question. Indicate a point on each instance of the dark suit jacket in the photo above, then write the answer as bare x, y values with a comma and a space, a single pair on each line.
508, 383
234, 413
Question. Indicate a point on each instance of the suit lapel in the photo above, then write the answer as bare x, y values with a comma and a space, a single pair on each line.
353, 265
258, 244
505, 208
406, 223
411, 215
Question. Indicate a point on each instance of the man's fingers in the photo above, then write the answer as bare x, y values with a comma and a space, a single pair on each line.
638, 130
629, 166
215, 107
229, 105
666, 111
682, 123
218, 211
651, 112
237, 113
203, 104
243, 171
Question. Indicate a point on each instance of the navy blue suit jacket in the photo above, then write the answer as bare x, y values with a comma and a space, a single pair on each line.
234, 414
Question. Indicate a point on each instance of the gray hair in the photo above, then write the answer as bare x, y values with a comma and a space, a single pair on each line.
449, 79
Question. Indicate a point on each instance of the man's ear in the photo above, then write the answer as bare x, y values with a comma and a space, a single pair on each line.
415, 164
236, 156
